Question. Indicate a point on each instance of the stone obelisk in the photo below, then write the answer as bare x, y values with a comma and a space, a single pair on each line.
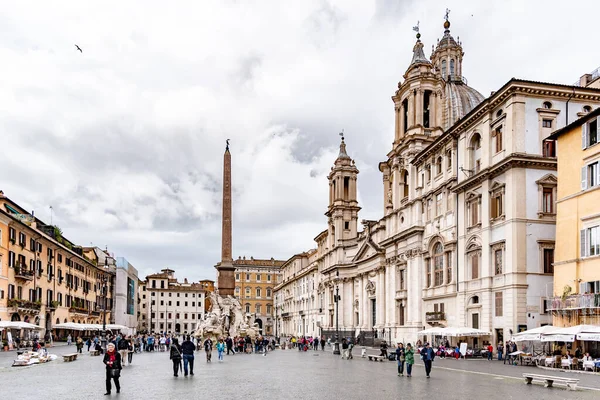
225, 269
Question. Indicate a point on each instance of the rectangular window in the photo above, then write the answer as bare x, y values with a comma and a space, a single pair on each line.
475, 266
592, 133
548, 261
439, 270
237, 277
474, 213
498, 303
549, 148
590, 241
498, 262
429, 209
257, 277
449, 158
448, 267
496, 205
592, 174
247, 277
548, 200
498, 135
438, 204
546, 123
429, 266
475, 320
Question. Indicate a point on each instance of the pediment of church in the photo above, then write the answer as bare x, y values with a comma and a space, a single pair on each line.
367, 249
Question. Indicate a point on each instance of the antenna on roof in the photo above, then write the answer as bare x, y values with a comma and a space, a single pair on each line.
51, 215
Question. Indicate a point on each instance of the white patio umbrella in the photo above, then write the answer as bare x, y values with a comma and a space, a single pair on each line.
432, 331
569, 333
590, 333
534, 334
18, 325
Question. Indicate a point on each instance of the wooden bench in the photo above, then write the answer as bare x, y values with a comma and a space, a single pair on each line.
571, 383
94, 352
70, 357
373, 357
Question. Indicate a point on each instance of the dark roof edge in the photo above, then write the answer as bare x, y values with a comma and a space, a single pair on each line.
579, 121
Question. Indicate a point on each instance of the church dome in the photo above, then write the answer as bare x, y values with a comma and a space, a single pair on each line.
460, 100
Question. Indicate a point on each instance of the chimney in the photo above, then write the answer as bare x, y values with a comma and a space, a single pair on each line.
585, 80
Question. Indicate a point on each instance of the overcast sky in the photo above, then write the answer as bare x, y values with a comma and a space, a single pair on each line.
125, 140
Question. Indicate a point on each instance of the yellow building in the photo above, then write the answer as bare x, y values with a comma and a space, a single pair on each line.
254, 283
577, 258
46, 279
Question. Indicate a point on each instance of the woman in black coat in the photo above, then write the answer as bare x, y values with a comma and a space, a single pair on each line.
112, 360
175, 356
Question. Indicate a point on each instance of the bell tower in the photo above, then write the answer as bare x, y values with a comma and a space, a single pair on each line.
343, 204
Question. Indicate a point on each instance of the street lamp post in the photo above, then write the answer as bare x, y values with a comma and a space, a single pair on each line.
336, 345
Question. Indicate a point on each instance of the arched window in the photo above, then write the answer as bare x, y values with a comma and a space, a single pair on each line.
443, 68
258, 292
475, 150
587, 109
438, 264
405, 182
269, 293
452, 67
475, 300
547, 105
438, 165
247, 307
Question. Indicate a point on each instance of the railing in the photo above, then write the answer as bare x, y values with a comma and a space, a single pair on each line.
576, 301
22, 273
78, 310
18, 303
435, 316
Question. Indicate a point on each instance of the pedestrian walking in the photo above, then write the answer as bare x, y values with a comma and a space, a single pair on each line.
79, 345
344, 348
208, 349
220, 349
316, 344
490, 353
123, 347
350, 347
130, 350
383, 347
187, 349
69, 338
229, 343
428, 357
322, 343
175, 356
400, 357
500, 351
112, 360
88, 343
409, 358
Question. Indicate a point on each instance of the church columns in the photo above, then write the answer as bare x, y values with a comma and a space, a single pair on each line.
364, 303
411, 111
398, 109
439, 103
380, 296
419, 108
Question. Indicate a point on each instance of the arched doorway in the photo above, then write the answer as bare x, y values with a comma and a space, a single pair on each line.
26, 319
15, 317
177, 327
260, 325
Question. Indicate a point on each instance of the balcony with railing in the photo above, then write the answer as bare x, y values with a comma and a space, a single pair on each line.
435, 317
575, 302
24, 305
23, 273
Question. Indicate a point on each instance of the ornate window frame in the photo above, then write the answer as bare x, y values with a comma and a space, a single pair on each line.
497, 190
498, 248
548, 181
473, 249
470, 198
542, 245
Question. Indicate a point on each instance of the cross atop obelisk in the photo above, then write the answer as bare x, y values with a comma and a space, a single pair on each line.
225, 275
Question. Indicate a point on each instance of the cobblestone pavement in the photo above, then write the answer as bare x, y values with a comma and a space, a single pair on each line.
281, 374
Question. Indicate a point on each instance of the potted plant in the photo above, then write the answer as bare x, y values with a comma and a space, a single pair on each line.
54, 303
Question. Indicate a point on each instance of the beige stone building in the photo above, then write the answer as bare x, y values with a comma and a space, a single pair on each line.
255, 280
170, 306
45, 278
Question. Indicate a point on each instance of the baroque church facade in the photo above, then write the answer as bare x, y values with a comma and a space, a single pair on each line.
468, 226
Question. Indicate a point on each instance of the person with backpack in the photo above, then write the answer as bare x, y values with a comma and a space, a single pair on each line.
175, 356
428, 357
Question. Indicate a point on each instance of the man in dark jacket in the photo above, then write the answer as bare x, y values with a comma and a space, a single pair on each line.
187, 349
428, 357
229, 343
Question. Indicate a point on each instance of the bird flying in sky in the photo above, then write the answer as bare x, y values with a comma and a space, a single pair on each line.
79, 48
